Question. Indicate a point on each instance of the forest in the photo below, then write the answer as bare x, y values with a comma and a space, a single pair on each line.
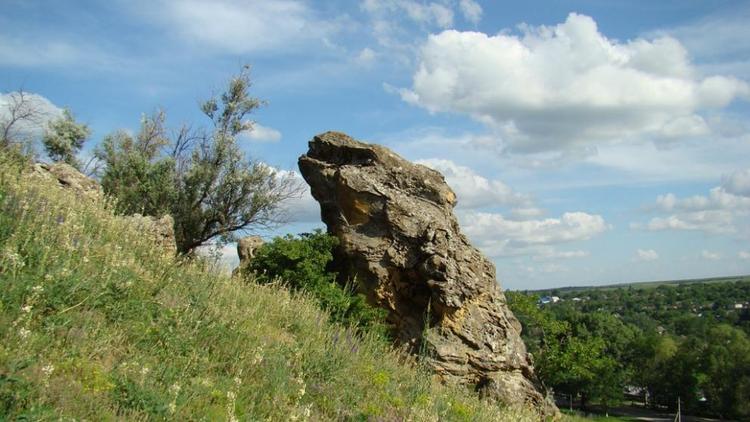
653, 344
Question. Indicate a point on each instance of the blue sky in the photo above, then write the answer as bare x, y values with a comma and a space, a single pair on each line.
589, 142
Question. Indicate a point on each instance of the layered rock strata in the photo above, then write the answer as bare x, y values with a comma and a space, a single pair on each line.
399, 238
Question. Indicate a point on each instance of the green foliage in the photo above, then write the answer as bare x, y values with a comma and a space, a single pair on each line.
200, 177
64, 138
302, 263
97, 323
671, 340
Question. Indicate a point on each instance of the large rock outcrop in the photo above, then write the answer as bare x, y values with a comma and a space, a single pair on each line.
399, 238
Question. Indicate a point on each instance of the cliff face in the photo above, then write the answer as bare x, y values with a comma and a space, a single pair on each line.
399, 238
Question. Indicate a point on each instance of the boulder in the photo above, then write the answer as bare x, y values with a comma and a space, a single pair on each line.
246, 248
161, 230
399, 238
68, 177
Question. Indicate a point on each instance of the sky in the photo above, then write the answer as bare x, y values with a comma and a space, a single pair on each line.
588, 142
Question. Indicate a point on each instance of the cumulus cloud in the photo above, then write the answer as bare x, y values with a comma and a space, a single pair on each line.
260, 133
25, 115
302, 208
496, 235
711, 256
568, 86
646, 255
722, 211
476, 191
737, 183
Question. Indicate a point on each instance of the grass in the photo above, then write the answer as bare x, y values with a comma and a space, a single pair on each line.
97, 323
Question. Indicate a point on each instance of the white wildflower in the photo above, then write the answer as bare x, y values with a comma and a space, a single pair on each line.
24, 333
26, 309
38, 288
48, 369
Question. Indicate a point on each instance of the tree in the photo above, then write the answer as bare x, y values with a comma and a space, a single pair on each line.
21, 115
200, 177
64, 138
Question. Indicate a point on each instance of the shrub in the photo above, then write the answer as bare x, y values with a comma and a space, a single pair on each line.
302, 263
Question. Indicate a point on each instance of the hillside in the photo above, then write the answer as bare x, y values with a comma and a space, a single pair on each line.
642, 284
97, 322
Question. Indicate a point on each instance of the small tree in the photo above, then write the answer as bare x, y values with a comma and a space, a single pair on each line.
201, 177
64, 138
21, 117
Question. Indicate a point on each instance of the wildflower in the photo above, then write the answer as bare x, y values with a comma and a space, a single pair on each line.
24, 333
175, 389
145, 370
47, 277
26, 309
48, 369
38, 288
237, 380
172, 407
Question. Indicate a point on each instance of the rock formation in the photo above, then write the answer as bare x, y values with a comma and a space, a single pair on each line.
68, 177
246, 248
160, 229
399, 238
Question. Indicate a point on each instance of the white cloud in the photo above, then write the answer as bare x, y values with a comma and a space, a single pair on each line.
428, 13
568, 86
260, 133
719, 212
471, 10
737, 183
711, 256
744, 255
366, 57
302, 208
239, 26
475, 191
646, 255
497, 236
38, 111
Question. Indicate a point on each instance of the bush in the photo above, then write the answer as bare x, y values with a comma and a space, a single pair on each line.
302, 263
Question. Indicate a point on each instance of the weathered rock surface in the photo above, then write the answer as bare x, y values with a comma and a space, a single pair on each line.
246, 248
160, 229
68, 177
399, 238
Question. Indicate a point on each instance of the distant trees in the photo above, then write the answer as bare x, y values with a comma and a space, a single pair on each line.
668, 341
200, 177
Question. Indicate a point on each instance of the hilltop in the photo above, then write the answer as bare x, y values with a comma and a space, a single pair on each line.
98, 322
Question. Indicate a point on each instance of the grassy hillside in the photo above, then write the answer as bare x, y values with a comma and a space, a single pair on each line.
97, 323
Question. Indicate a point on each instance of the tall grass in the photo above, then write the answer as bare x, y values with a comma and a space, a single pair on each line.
97, 323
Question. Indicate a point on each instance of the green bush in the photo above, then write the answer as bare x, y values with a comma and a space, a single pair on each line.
302, 263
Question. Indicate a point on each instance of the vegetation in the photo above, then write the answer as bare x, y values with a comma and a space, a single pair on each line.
686, 340
200, 177
97, 323
301, 263
64, 138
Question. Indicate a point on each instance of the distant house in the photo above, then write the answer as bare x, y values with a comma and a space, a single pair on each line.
739, 305
548, 299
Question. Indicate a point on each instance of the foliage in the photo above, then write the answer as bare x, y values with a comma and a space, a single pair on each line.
302, 262
684, 340
200, 177
64, 138
97, 323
